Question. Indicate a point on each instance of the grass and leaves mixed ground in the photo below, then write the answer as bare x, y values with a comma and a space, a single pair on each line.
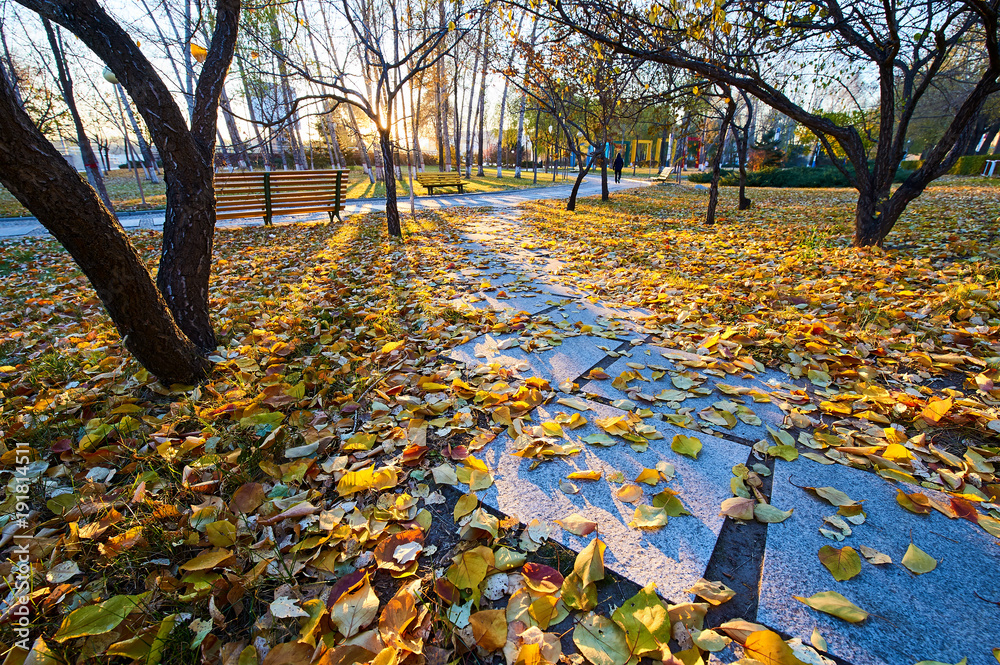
124, 191
317, 499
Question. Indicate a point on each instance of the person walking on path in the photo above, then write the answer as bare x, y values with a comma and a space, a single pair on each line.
619, 165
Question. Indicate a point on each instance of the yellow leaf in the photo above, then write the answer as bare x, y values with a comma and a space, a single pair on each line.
936, 410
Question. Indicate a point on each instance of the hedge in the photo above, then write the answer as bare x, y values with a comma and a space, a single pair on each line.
969, 165
799, 176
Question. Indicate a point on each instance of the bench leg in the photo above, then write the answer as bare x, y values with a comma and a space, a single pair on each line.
267, 220
461, 189
331, 216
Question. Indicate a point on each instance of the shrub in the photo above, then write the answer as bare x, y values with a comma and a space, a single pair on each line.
969, 165
796, 177
706, 177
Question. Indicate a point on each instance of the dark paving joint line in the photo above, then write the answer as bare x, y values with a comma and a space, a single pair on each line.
738, 560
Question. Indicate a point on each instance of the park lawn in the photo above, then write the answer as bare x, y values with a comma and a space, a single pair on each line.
124, 191
221, 497
359, 186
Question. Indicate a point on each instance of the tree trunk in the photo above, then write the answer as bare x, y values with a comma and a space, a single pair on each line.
469, 121
391, 207
713, 194
519, 146
239, 147
534, 149
867, 229
503, 113
742, 139
481, 112
37, 175
445, 132
605, 192
584, 170
262, 145
664, 149
437, 127
458, 124
147, 155
189, 224
90, 165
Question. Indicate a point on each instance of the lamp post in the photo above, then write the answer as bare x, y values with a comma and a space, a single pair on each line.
548, 151
110, 77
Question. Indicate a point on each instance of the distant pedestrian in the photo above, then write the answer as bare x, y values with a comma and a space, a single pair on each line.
619, 165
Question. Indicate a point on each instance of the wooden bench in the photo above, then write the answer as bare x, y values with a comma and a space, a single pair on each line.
432, 180
271, 193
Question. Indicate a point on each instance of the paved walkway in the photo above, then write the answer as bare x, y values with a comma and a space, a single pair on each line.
938, 616
153, 219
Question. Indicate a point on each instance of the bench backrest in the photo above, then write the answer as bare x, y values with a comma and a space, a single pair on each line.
435, 178
270, 193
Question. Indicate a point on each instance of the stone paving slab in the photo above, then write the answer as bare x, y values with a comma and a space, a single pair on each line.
675, 556
569, 360
583, 312
935, 616
648, 354
514, 302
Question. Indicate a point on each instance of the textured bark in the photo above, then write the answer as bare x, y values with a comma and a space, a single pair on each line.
741, 151
605, 192
534, 149
713, 194
664, 149
239, 147
188, 154
458, 122
391, 206
65, 81
470, 122
481, 112
148, 165
519, 146
38, 176
503, 112
571, 204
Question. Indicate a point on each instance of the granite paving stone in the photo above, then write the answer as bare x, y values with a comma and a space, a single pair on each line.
569, 360
673, 557
649, 355
492, 300
583, 312
936, 616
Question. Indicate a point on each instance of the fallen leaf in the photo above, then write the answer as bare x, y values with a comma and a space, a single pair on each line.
835, 604
842, 563
686, 445
601, 641
715, 593
577, 524
918, 561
